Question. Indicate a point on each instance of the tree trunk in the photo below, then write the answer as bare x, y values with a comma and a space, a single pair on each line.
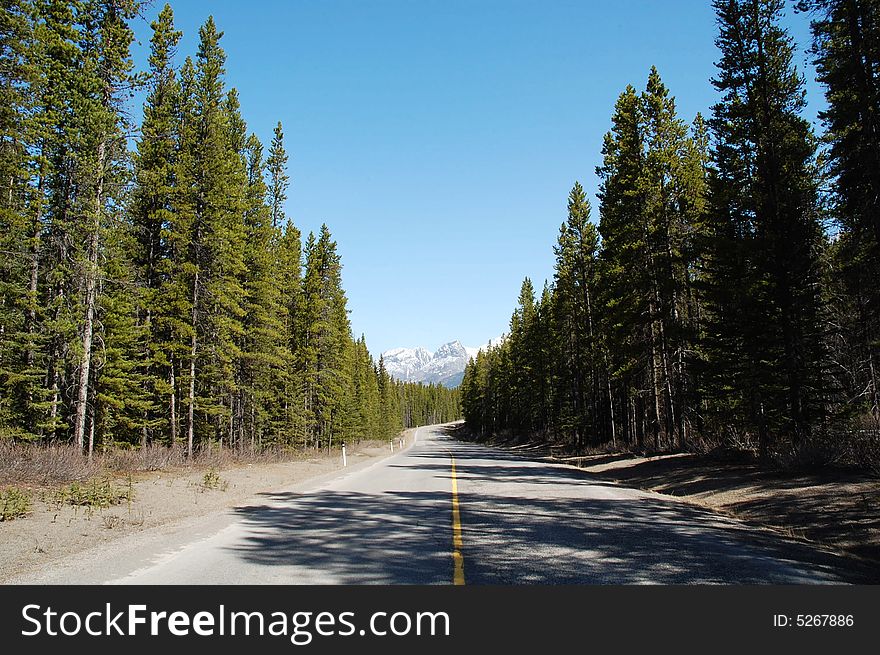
875, 400
53, 411
146, 385
669, 423
655, 385
676, 409
232, 425
91, 275
92, 435
173, 404
758, 418
610, 405
192, 370
680, 392
32, 301
34, 277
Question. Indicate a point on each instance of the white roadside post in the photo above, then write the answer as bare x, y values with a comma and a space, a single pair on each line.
344, 460
391, 443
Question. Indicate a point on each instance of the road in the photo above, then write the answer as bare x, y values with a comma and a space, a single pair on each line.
510, 521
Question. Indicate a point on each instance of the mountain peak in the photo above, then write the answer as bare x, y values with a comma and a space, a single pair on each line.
444, 366
451, 349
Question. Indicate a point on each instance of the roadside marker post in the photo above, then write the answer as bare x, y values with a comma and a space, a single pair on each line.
344, 460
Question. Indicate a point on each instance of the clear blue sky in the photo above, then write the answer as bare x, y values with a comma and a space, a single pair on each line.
438, 139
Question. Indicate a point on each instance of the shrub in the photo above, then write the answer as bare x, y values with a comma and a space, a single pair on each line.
14, 504
212, 480
96, 493
866, 450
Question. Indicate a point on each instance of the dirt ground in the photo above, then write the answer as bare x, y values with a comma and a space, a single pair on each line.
52, 531
838, 510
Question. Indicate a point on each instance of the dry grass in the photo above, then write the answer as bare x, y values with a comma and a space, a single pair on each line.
44, 465
50, 465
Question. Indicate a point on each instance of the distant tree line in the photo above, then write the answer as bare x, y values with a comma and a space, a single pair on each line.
161, 295
730, 293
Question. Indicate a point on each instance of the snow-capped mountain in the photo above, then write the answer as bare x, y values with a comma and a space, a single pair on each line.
445, 366
403, 363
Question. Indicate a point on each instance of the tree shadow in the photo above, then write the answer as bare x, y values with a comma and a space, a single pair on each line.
524, 522
353, 538
838, 507
606, 541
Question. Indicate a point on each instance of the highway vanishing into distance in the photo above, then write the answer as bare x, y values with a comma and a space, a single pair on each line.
443, 512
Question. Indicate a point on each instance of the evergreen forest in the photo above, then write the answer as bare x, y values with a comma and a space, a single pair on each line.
726, 291
152, 289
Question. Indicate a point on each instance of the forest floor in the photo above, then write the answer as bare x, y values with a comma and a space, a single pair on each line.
154, 502
836, 510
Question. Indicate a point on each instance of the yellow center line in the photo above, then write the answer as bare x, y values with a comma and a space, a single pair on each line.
457, 558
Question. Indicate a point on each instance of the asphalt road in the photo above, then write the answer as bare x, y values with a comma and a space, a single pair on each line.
519, 522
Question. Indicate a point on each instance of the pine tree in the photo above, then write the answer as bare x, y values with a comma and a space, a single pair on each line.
16, 45
152, 213
391, 412
766, 329
366, 416
847, 51
19, 372
520, 393
581, 361
179, 312
327, 336
226, 288
288, 275
652, 194
123, 399
81, 68
675, 203
279, 181
213, 173
476, 394
51, 320
306, 330
545, 345
106, 40
627, 271
265, 361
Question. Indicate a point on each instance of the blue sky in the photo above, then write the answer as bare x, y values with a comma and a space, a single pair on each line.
438, 139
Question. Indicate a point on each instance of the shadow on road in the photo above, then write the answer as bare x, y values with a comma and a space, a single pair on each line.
523, 522
353, 538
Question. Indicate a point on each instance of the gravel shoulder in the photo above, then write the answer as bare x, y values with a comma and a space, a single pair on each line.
168, 508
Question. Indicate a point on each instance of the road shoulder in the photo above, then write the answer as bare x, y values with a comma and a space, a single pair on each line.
169, 509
